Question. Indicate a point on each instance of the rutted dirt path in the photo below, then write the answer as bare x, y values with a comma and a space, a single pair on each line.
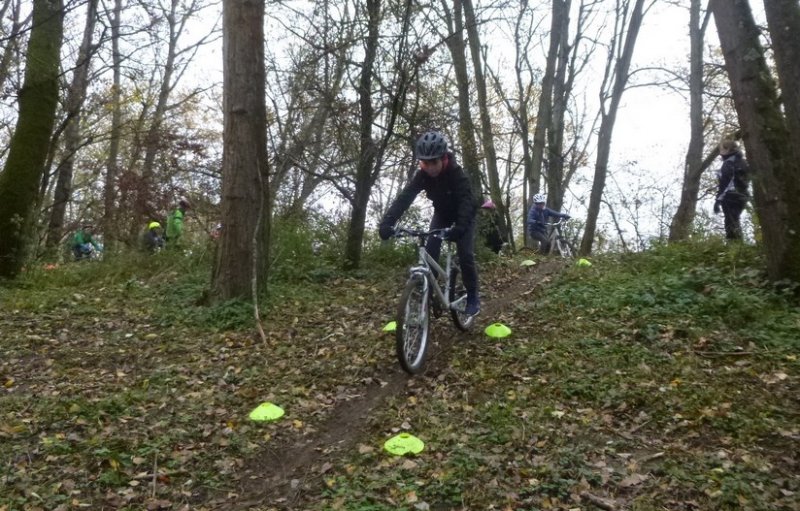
281, 476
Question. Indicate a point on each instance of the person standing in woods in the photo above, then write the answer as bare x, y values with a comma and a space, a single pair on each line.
732, 184
175, 222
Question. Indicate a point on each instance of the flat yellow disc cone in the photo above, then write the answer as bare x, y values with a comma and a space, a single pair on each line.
391, 326
583, 263
266, 412
527, 262
404, 443
497, 330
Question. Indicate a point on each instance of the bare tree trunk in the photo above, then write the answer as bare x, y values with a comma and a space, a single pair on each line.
74, 105
776, 172
783, 18
112, 165
38, 99
619, 79
240, 269
367, 153
466, 128
554, 176
490, 154
545, 111
693, 169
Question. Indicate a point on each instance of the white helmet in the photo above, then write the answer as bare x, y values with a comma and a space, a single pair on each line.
539, 199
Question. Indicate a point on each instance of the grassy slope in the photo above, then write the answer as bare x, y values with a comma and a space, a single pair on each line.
660, 380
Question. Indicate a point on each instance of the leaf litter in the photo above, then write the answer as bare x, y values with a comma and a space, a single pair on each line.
103, 406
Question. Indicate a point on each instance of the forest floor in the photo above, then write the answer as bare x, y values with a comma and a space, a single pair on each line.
666, 380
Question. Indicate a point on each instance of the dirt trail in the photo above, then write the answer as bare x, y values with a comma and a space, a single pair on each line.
279, 477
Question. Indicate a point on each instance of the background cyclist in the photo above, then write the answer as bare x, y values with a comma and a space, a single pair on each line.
538, 218
447, 186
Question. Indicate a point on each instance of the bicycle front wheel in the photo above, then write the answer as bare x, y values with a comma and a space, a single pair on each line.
563, 248
458, 302
413, 325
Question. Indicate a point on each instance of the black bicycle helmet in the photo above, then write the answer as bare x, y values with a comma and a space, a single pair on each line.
431, 145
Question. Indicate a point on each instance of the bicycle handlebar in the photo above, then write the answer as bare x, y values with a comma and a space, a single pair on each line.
402, 232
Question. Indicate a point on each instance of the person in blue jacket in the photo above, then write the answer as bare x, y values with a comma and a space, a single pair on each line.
446, 185
538, 218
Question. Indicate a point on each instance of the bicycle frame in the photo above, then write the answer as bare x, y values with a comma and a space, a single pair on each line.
427, 265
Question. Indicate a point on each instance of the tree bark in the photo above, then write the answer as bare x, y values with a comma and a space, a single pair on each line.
776, 175
240, 269
783, 19
29, 144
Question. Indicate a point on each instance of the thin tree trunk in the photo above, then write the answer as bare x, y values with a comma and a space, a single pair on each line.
545, 111
466, 128
367, 153
74, 105
112, 163
693, 169
38, 100
619, 79
556, 184
490, 153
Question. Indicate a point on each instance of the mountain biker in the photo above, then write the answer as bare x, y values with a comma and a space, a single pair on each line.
447, 186
175, 221
152, 238
488, 226
732, 188
83, 242
538, 217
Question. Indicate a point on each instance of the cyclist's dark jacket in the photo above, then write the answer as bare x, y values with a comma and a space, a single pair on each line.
450, 193
733, 178
537, 218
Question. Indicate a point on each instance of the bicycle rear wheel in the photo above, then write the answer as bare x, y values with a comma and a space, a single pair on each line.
413, 325
458, 301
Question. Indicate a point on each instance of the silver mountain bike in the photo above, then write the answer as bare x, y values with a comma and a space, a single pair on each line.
428, 293
558, 242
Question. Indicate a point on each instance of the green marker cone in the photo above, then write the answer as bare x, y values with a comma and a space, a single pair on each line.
527, 262
266, 412
404, 443
391, 326
583, 263
497, 330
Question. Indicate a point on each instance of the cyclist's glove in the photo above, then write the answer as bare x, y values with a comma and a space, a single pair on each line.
385, 231
454, 233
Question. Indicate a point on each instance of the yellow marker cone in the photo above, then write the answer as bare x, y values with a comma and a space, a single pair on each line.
391, 326
404, 443
527, 262
266, 412
583, 263
497, 330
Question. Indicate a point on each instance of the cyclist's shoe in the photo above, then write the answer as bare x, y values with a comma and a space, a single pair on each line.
473, 306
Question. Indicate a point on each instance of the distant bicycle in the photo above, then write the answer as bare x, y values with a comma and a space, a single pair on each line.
557, 242
426, 292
